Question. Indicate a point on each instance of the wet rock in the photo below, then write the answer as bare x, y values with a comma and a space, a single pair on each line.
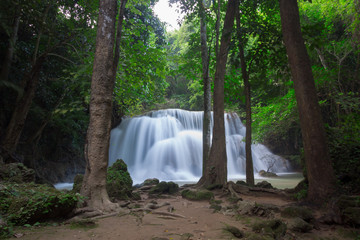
299, 225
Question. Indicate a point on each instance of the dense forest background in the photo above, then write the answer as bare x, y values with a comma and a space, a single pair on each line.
47, 51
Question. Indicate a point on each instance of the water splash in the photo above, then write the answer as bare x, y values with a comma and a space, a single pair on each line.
167, 144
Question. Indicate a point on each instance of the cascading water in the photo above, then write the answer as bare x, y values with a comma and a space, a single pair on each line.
167, 144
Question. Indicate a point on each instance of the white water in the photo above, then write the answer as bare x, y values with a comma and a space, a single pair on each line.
167, 144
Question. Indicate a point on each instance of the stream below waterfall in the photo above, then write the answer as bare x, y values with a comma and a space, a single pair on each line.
167, 144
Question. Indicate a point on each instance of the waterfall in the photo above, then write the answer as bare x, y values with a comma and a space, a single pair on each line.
167, 144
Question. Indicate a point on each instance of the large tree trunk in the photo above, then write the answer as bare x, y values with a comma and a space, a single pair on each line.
216, 171
318, 165
207, 87
244, 70
102, 87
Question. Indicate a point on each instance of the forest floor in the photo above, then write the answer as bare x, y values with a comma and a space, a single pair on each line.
179, 218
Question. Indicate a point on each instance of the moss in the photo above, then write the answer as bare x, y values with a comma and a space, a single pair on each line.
118, 181
164, 188
197, 195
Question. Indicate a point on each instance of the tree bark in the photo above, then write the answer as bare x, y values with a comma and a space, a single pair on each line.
216, 171
207, 87
317, 160
244, 70
102, 87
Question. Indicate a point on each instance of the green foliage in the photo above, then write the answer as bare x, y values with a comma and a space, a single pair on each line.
118, 181
275, 118
29, 203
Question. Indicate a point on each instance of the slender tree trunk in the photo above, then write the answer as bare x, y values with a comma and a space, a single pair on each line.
102, 87
207, 87
317, 160
249, 161
216, 171
14, 129
10, 50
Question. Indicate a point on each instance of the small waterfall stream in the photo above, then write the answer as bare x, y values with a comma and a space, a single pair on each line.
167, 144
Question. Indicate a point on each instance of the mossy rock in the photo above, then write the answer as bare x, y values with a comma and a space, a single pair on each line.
30, 203
17, 173
272, 228
264, 184
197, 195
150, 181
164, 188
118, 181
78, 180
297, 211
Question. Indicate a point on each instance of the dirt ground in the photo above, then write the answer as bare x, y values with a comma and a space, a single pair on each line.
188, 220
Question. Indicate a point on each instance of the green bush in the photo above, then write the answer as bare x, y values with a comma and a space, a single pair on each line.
30, 203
